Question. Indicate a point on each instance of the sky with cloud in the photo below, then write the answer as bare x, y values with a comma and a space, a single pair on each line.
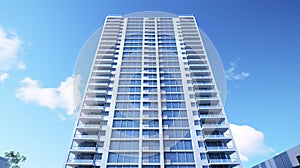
10, 49
39, 41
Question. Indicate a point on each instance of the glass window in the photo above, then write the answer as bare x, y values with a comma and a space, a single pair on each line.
126, 123
152, 145
127, 105
112, 157
198, 132
130, 75
171, 156
125, 134
150, 89
153, 114
129, 89
190, 157
151, 123
177, 133
150, 96
178, 145
175, 113
202, 156
151, 157
128, 97
151, 82
150, 104
127, 114
182, 157
172, 89
151, 133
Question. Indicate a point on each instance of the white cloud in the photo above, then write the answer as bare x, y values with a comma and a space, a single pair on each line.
61, 97
249, 141
3, 77
10, 45
231, 75
21, 65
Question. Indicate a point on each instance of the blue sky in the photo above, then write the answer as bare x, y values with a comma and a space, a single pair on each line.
258, 42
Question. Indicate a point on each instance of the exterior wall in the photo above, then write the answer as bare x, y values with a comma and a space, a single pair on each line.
3, 162
287, 159
151, 99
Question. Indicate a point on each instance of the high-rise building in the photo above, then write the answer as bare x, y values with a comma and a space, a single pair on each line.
153, 99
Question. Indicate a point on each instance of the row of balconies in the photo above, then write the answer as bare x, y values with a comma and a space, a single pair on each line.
145, 161
227, 149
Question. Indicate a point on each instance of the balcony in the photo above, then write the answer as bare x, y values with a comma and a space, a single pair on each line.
86, 137
223, 149
98, 99
101, 72
207, 100
90, 116
98, 84
206, 92
101, 78
88, 127
197, 73
219, 127
197, 66
223, 161
80, 162
214, 125
222, 137
77, 149
202, 78
203, 107
95, 91
103, 59
85, 107
213, 118
203, 85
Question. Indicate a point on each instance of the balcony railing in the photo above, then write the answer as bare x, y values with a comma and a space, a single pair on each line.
89, 126
218, 136
209, 107
91, 116
84, 148
213, 125
87, 136
218, 148
222, 160
212, 115
96, 98
93, 107
90, 161
201, 83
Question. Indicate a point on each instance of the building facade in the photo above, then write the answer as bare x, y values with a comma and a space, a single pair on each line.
152, 99
287, 159
3, 162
